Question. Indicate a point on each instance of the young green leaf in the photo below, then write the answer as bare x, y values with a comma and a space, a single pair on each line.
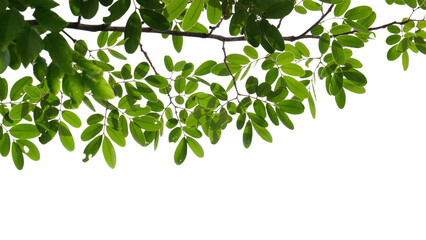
214, 11
296, 87
109, 152
66, 137
181, 151
195, 147
192, 15
247, 135
24, 131
18, 158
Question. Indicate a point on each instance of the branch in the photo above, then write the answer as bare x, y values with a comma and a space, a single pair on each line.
106, 27
317, 22
381, 27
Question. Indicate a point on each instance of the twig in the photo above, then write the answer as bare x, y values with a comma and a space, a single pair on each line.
317, 22
148, 59
229, 70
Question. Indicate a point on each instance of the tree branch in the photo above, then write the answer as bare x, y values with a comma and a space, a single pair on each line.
317, 22
106, 27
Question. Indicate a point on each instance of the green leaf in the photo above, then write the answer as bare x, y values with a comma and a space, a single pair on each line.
4, 60
116, 54
132, 32
71, 118
263, 132
17, 89
257, 119
29, 46
252, 84
359, 12
195, 147
291, 106
24, 131
102, 39
73, 87
11, 24
174, 9
192, 14
251, 52
49, 19
214, 11
148, 123
60, 52
91, 131
302, 48
338, 53
177, 40
205, 68
66, 137
3, 89
341, 8
324, 43
411, 3
237, 59
112, 39
293, 69
405, 60
175, 134
285, 58
92, 148
146, 91
154, 19
355, 76
32, 152
32, 91
117, 10
296, 87
272, 114
137, 133
181, 151
116, 136
192, 132
157, 81
89, 8
340, 99
259, 108
272, 35
219, 91
247, 135
5, 145
350, 41
279, 9
18, 158
151, 4
285, 119
109, 152
252, 31
312, 105
19, 111
168, 62
141, 70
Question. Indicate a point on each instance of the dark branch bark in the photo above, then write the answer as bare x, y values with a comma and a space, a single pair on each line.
106, 27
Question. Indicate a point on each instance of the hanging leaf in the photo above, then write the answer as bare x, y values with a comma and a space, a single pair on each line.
154, 19
192, 15
66, 137
109, 152
132, 32
181, 151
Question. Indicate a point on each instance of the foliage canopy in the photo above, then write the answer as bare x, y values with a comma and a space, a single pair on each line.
139, 103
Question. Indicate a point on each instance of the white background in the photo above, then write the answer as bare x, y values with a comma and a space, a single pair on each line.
357, 173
